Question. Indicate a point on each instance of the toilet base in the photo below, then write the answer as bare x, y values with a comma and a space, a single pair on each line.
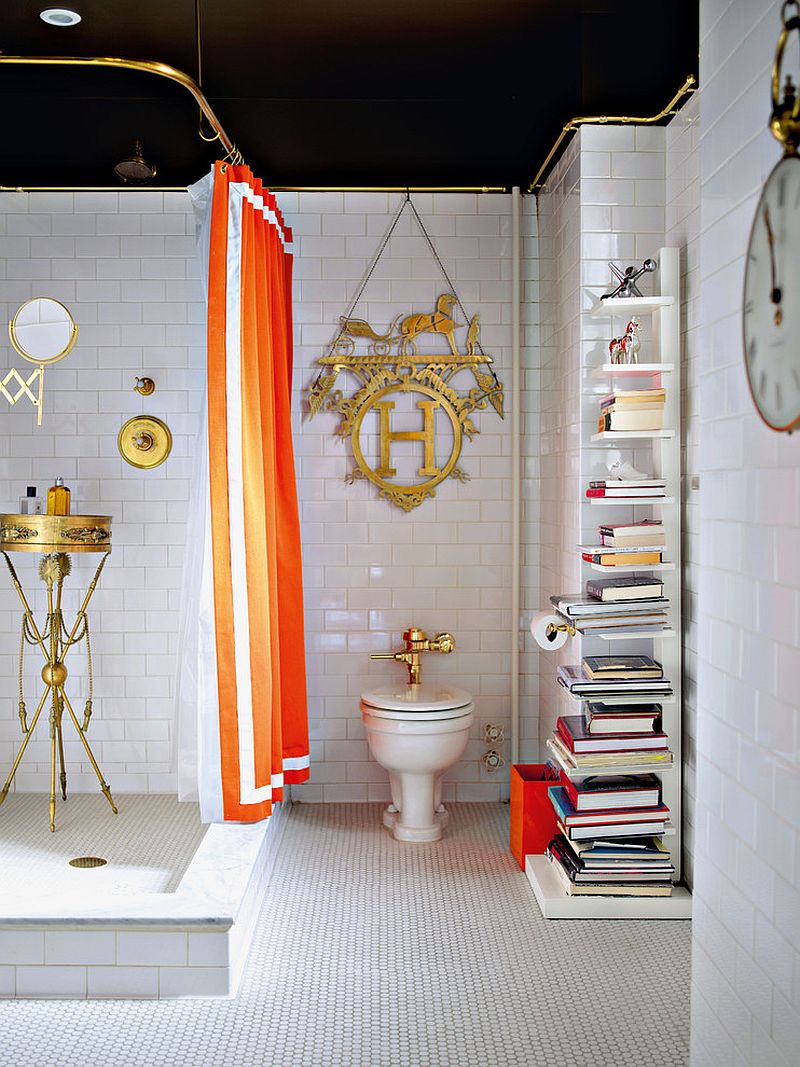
391, 820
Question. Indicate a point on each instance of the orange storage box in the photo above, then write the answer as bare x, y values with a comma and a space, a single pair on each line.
533, 820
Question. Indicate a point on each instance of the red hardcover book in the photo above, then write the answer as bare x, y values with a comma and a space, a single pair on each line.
573, 733
595, 492
599, 793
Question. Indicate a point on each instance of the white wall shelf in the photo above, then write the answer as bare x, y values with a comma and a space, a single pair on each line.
554, 903
601, 568
630, 305
612, 635
627, 501
632, 370
618, 436
627, 698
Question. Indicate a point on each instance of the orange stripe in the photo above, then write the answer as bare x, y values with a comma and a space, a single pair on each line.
266, 310
255, 503
290, 578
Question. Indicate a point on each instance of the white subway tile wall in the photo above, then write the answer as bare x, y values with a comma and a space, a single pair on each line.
370, 569
124, 263
559, 212
593, 208
746, 954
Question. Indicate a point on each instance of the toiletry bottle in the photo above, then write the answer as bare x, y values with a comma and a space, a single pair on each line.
58, 498
30, 504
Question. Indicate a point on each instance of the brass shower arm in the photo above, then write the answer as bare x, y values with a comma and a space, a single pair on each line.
146, 66
610, 120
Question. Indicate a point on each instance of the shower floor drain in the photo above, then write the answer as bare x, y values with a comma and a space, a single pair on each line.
88, 861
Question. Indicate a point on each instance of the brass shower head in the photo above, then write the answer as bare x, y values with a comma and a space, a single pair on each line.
134, 169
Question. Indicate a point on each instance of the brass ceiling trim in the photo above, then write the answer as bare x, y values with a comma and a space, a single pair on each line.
273, 189
145, 66
389, 188
688, 87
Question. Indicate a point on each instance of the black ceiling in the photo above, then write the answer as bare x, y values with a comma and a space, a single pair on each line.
335, 92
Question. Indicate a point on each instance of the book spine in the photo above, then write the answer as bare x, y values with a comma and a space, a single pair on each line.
570, 788
565, 735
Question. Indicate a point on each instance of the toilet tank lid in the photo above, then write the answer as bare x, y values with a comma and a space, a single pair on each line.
424, 697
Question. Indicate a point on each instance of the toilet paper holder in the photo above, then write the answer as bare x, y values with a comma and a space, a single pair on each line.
551, 630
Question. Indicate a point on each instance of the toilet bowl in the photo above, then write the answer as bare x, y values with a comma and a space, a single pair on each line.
417, 732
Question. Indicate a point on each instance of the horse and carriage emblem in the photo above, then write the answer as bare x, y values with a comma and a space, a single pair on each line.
390, 363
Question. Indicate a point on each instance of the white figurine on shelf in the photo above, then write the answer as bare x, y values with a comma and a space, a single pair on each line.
625, 471
632, 342
626, 349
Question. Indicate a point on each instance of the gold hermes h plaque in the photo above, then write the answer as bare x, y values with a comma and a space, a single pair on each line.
391, 368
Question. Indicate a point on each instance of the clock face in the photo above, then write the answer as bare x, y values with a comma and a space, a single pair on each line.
771, 313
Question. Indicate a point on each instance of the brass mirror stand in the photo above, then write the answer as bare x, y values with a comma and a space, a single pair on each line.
50, 535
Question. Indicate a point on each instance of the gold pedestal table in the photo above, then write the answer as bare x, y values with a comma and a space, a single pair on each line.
55, 536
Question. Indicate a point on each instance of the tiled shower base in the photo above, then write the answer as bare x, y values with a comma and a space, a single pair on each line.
171, 914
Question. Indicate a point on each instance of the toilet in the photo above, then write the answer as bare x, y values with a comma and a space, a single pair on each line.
417, 732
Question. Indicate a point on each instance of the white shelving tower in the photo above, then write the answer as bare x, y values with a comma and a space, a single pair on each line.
659, 450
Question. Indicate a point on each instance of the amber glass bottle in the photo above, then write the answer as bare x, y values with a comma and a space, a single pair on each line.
58, 498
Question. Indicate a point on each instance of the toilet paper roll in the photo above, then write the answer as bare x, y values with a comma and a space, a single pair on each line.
553, 640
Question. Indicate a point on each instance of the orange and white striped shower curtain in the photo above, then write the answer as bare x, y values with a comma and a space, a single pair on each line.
243, 641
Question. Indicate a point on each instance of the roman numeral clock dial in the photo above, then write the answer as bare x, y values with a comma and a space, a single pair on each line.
771, 310
771, 304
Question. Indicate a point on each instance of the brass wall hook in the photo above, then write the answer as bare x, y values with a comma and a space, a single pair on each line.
144, 386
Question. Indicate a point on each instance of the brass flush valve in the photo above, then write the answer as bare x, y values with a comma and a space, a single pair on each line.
417, 641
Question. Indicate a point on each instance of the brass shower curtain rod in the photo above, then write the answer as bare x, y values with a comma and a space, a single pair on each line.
164, 70
146, 66
609, 120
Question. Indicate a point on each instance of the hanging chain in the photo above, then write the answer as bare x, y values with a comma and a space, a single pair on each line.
87, 709
447, 277
23, 714
365, 281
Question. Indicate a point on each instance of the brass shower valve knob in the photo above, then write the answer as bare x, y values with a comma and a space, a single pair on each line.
417, 641
144, 441
145, 386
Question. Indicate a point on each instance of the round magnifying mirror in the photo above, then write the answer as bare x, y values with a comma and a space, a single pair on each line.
43, 331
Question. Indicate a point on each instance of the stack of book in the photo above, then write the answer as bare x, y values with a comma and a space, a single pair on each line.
618, 488
632, 409
630, 867
637, 544
621, 721
607, 842
577, 748
633, 604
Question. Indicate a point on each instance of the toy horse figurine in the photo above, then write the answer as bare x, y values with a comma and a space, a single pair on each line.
625, 349
627, 279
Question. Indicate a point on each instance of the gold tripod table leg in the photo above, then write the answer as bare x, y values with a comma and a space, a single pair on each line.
23, 746
53, 779
104, 786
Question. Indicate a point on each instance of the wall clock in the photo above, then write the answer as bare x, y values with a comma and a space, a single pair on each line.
771, 307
